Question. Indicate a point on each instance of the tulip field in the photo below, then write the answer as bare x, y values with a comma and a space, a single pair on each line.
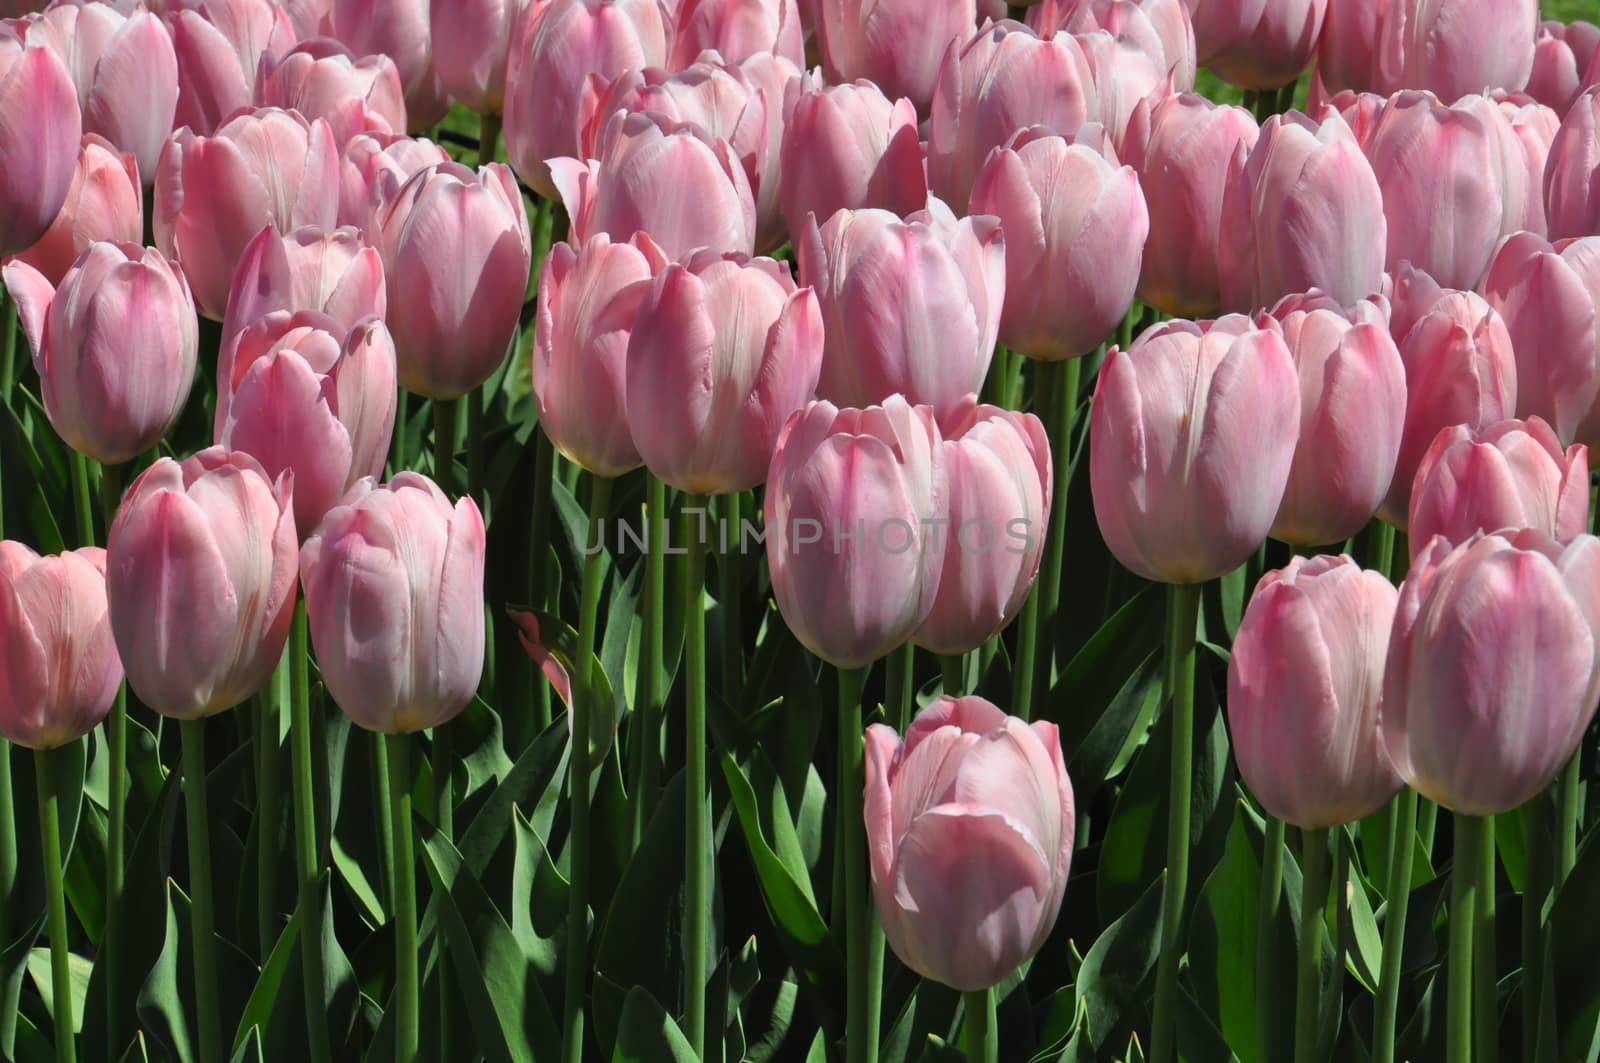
833, 531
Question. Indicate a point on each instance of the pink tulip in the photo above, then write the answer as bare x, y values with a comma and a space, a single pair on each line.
1305, 692
61, 671
589, 297
38, 141
1302, 210
970, 828
374, 167
114, 346
456, 252
1360, 111
1258, 44
1491, 678
737, 29
310, 18
1004, 79
219, 46
664, 178
105, 203
1347, 53
471, 44
335, 273
1124, 76
1526, 135
200, 575
1571, 189
1193, 434
723, 350
1161, 29
898, 44
214, 194
854, 498
394, 594
1563, 63
999, 471
909, 307
772, 75
552, 59
320, 78
398, 29
1181, 147
1352, 412
1075, 230
1454, 47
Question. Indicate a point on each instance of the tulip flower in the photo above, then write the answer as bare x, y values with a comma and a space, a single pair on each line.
1347, 52
1528, 130
471, 44
61, 669
1161, 29
723, 350
104, 203
1491, 677
589, 297
200, 573
998, 466
970, 829
1192, 437
310, 18
1360, 111
552, 59
854, 499
1572, 195
909, 307
220, 45
1305, 692
38, 142
1563, 63
213, 194
1257, 45
1181, 146
737, 29
399, 30
1443, 46
1075, 230
320, 78
456, 252
114, 345
335, 273
374, 167
394, 594
897, 44
1302, 210
772, 75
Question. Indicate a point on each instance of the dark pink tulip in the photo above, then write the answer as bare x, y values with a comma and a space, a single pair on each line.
1193, 436
60, 669
997, 463
1571, 188
394, 594
1491, 678
1563, 63
38, 141
552, 60
1347, 53
723, 350
214, 194
335, 273
374, 167
1258, 44
320, 78
1455, 47
1075, 229
200, 575
114, 346
1302, 210
855, 499
970, 827
588, 299
1305, 692
1181, 147
898, 44
471, 44
456, 252
105, 202
908, 307
1161, 29
220, 45
737, 29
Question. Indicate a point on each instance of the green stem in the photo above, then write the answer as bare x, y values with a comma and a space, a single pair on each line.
407, 1000
1058, 383
902, 663
981, 1033
1183, 607
729, 582
1313, 896
55, 903
1397, 898
444, 445
538, 557
862, 980
203, 925
1537, 868
1027, 649
397, 446
1381, 547
307, 863
8, 845
383, 799
1485, 1007
1427, 820
1270, 903
953, 666
1464, 875
488, 136
117, 800
697, 809
648, 740
475, 445
8, 351
1567, 835
269, 704
82, 508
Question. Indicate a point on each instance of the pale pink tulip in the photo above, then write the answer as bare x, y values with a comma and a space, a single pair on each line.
471, 44
1571, 187
737, 29
320, 78
332, 272
772, 75
898, 44
38, 141
1161, 29
105, 203
1258, 44
398, 29
374, 167
219, 46
310, 18
1526, 135
1456, 47
1564, 63
1347, 53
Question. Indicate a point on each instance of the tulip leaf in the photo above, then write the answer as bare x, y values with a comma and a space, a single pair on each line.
1574, 943
166, 1004
78, 967
538, 897
647, 1034
250, 1050
1112, 982
26, 477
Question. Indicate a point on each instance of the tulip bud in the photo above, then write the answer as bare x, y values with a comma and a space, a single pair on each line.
1360, 111
898, 44
1161, 29
1347, 52
1491, 677
334, 273
61, 669
737, 29
200, 574
1257, 45
1305, 692
114, 345
1572, 195
320, 78
104, 203
310, 18
471, 43
373, 169
969, 817
220, 45
397, 29
1455, 47
772, 75
38, 141
394, 594
1192, 437
456, 253
851, 498
1563, 63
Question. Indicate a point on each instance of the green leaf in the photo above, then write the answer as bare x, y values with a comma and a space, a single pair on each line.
1113, 980
647, 1034
166, 1006
27, 478
538, 897
77, 966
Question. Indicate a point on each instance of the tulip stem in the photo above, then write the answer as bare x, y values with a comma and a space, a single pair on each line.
269, 705
981, 1032
488, 136
55, 903
82, 508
1269, 905
407, 1000
1183, 608
117, 802
647, 739
446, 420
1380, 547
1568, 790
729, 583
475, 416
1427, 820
1397, 898
202, 917
954, 668
309, 900
8, 844
1057, 384
539, 556
902, 665
444, 445
8, 351
1464, 874
863, 977
696, 835
1313, 897
1485, 1008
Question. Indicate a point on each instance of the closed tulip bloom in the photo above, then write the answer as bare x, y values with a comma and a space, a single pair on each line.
1563, 63
1571, 192
38, 142
1347, 52
1161, 29
200, 573
1123, 77
551, 62
61, 670
853, 499
589, 297
398, 29
114, 346
332, 272
970, 827
219, 46
1360, 111
1526, 135
320, 78
394, 593
456, 253
1075, 228
104, 203
1181, 147
471, 44
1455, 47
1305, 692
998, 466
723, 350
1302, 210
310, 18
738, 29
772, 76
1491, 678
897, 44
908, 307
664, 178
1258, 44
1193, 434
374, 167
